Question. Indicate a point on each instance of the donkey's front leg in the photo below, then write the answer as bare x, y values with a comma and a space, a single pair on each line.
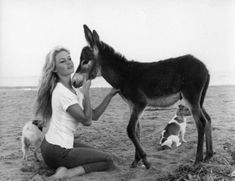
137, 155
131, 130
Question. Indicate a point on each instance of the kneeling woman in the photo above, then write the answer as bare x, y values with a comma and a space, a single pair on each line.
65, 108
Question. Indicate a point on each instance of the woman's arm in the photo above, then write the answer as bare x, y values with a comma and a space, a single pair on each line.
77, 113
84, 116
86, 100
97, 112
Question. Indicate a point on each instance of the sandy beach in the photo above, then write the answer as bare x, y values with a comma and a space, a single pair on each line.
109, 134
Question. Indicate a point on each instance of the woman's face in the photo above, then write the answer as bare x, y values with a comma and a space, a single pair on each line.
64, 64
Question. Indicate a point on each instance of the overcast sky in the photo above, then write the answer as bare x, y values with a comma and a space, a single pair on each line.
145, 31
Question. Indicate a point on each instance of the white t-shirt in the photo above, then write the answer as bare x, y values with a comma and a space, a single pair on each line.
62, 125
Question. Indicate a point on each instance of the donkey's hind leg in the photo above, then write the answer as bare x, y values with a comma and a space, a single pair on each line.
192, 98
200, 123
208, 131
208, 134
131, 130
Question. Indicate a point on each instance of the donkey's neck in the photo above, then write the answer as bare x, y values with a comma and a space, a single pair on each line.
113, 74
114, 66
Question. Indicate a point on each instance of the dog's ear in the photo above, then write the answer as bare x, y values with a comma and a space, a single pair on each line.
39, 124
88, 36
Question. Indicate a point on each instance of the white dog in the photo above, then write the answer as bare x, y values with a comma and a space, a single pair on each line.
175, 129
32, 135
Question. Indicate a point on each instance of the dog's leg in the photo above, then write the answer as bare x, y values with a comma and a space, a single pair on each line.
177, 141
35, 154
37, 146
162, 136
24, 153
182, 133
167, 143
25, 147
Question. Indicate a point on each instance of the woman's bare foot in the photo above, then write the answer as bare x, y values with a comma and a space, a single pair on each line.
63, 172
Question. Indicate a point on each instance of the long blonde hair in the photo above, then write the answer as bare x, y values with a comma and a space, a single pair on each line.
47, 84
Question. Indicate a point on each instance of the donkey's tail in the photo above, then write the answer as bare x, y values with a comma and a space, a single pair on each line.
204, 90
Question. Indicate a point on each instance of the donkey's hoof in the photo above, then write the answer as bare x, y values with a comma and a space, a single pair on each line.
134, 164
208, 157
146, 163
198, 160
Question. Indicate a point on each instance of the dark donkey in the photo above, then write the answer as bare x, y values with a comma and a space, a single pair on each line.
159, 84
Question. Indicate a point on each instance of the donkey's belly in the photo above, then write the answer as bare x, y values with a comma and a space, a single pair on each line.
163, 101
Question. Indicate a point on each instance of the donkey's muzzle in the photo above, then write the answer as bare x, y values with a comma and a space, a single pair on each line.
77, 84
77, 80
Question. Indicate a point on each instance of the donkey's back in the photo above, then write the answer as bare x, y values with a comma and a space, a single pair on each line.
164, 79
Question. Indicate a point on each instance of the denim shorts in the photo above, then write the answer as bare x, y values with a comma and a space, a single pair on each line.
81, 155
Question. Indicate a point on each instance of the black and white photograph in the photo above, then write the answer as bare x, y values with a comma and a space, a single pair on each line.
117, 90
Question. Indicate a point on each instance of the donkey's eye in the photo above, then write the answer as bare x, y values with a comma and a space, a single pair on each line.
85, 62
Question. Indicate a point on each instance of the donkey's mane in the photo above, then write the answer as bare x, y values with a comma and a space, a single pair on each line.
117, 60
109, 51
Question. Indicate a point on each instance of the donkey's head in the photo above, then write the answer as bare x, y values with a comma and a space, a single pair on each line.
89, 67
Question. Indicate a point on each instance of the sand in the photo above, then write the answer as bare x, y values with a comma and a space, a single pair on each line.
109, 134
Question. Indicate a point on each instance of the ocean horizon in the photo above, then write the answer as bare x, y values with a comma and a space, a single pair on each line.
35, 88
217, 79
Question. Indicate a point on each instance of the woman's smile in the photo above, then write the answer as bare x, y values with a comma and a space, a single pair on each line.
70, 67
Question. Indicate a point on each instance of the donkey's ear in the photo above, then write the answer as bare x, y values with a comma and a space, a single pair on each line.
96, 37
88, 35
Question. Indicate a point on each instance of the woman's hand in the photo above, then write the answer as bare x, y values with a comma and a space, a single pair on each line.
86, 86
114, 91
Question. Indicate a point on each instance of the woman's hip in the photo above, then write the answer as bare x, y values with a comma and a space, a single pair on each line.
53, 154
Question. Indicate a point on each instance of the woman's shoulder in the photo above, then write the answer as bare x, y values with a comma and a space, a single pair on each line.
58, 88
63, 96
61, 90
